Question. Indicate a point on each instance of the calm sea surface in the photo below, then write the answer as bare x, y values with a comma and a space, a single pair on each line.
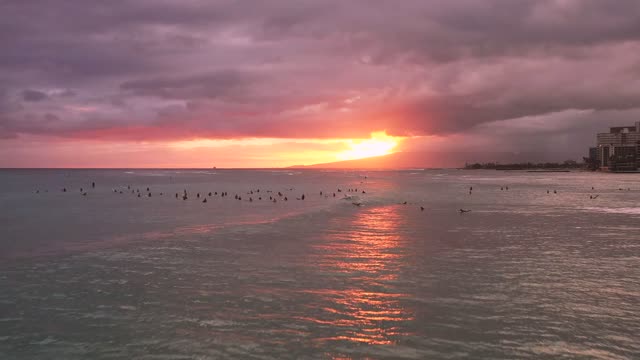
525, 274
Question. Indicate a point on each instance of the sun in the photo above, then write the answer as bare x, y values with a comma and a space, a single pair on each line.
379, 144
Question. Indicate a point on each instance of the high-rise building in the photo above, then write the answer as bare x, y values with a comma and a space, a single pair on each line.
618, 150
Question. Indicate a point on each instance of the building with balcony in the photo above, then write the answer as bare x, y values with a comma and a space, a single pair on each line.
617, 150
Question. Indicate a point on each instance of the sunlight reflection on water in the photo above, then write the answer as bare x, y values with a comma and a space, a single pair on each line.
368, 312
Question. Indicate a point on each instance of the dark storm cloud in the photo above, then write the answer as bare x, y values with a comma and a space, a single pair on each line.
183, 69
213, 85
33, 95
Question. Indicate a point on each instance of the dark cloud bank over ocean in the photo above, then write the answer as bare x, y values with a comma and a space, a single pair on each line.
509, 75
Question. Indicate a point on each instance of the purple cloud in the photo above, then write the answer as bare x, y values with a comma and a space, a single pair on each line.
221, 69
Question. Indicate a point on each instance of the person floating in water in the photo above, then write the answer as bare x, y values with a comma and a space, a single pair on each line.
205, 200
462, 211
421, 208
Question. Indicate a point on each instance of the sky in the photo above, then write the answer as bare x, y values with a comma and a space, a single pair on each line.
195, 83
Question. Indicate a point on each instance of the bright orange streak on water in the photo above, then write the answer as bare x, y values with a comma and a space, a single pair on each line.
367, 256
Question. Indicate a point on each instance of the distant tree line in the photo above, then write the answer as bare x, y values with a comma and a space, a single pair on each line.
567, 164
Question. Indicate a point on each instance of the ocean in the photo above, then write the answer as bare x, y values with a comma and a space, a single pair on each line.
544, 266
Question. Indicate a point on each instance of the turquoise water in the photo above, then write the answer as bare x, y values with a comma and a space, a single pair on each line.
525, 274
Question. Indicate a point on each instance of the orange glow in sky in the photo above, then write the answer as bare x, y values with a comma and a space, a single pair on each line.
379, 144
197, 153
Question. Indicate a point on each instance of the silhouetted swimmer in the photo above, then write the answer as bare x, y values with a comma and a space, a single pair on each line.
198, 195
404, 203
184, 197
279, 193
339, 190
93, 185
506, 187
547, 191
250, 199
138, 195
84, 194
555, 192
205, 200
363, 192
176, 195
470, 188
147, 189
260, 198
80, 189
64, 189
128, 187
592, 188
209, 193
334, 194
37, 191
239, 197
320, 193
421, 208
216, 193
501, 188
149, 194
285, 199
357, 204
595, 197
462, 211
302, 196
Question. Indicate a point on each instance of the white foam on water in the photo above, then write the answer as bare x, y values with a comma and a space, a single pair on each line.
614, 210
